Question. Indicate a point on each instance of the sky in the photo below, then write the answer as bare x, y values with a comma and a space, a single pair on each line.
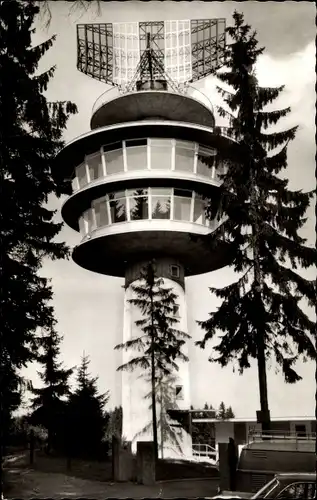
88, 306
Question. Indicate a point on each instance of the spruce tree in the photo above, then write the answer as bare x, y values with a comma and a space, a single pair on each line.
30, 136
260, 316
49, 403
86, 414
229, 412
160, 343
222, 412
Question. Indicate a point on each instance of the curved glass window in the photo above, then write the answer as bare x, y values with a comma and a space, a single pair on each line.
118, 207
138, 204
85, 222
114, 161
134, 204
182, 204
161, 154
101, 212
161, 203
150, 154
95, 166
199, 210
81, 175
222, 169
184, 156
206, 161
136, 154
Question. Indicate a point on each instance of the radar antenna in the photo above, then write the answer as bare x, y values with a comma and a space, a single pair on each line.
149, 54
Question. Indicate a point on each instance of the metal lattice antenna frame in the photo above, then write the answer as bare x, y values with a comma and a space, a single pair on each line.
184, 51
149, 68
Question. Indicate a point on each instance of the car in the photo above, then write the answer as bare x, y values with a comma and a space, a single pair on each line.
285, 485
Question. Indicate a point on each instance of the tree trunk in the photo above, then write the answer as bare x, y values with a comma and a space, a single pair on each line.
265, 415
162, 430
153, 388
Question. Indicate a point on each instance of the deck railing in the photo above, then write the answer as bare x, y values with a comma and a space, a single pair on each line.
204, 450
280, 435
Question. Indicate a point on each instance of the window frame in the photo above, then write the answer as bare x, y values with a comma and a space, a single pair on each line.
175, 266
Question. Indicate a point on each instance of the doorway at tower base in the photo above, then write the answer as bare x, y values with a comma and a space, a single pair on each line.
136, 386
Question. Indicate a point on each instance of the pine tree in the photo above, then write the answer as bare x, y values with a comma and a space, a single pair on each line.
222, 412
160, 343
86, 413
229, 412
260, 314
30, 136
49, 403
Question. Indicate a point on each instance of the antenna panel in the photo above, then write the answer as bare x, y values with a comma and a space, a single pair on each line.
177, 59
95, 51
126, 52
208, 41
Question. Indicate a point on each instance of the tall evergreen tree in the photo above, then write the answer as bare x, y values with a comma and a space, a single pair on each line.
49, 403
260, 314
86, 414
229, 412
222, 412
160, 343
30, 136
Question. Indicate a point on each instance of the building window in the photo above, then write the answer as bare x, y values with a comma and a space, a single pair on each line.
182, 204
101, 212
300, 430
95, 166
114, 161
206, 160
81, 175
179, 393
118, 207
136, 154
161, 203
174, 271
161, 154
138, 204
184, 156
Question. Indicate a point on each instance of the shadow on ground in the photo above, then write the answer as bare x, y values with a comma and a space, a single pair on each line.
47, 478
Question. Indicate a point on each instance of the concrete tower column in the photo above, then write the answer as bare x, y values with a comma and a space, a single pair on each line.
135, 386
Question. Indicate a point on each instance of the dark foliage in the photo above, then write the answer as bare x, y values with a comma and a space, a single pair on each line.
49, 403
87, 418
260, 316
30, 136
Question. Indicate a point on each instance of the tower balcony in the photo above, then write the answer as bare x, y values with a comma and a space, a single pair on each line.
186, 105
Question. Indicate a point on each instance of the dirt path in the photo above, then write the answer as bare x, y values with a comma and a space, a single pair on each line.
25, 482
29, 483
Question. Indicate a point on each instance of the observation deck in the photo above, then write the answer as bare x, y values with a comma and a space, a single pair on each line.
190, 106
141, 178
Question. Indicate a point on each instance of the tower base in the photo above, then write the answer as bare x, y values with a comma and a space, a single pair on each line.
173, 392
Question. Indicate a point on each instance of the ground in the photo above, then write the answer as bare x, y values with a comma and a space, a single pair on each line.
26, 482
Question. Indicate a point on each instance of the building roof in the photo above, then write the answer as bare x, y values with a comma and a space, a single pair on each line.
253, 419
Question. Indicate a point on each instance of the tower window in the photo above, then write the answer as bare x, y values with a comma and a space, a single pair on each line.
174, 271
179, 393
